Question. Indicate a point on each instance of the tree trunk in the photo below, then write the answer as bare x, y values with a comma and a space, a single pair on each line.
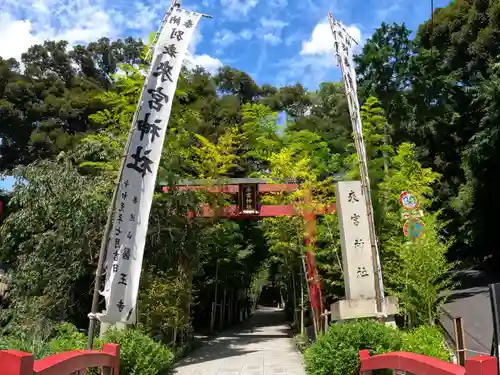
174, 338
294, 299
214, 305
302, 331
187, 279
223, 308
189, 303
230, 308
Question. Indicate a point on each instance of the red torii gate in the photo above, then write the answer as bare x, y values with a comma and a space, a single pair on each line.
247, 192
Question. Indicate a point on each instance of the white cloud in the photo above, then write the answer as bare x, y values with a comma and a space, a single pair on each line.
306, 69
76, 21
80, 21
272, 39
92, 26
211, 64
196, 39
386, 8
225, 37
83, 21
316, 58
272, 23
208, 62
295, 37
321, 41
16, 36
271, 30
278, 3
144, 17
237, 8
246, 34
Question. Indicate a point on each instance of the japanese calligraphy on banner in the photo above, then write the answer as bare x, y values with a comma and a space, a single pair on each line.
355, 241
343, 48
128, 236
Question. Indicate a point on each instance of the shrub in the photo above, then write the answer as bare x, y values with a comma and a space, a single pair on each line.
32, 337
63, 337
140, 354
67, 338
337, 351
417, 272
34, 345
426, 340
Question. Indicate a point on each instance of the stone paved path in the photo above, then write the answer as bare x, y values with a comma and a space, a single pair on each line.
259, 346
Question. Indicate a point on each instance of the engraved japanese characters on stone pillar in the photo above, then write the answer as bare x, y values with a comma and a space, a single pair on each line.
355, 241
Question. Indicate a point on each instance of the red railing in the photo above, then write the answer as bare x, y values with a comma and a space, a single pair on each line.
418, 364
13, 362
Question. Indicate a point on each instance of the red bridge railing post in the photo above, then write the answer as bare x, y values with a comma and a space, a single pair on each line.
114, 350
364, 354
14, 362
417, 364
481, 365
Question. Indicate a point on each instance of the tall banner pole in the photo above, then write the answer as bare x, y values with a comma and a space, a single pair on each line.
124, 238
343, 48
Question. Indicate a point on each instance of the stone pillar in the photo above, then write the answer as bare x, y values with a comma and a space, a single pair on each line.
358, 268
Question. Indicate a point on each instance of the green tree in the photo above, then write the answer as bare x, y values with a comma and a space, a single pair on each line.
377, 136
47, 107
383, 69
51, 240
417, 271
328, 117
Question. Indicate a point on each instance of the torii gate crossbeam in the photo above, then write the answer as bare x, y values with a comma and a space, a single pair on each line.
247, 192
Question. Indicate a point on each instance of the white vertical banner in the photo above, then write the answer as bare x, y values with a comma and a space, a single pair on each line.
136, 188
343, 48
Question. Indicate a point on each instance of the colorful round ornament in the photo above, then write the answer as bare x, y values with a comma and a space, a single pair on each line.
414, 228
408, 201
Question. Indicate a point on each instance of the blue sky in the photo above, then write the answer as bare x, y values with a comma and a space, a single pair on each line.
276, 41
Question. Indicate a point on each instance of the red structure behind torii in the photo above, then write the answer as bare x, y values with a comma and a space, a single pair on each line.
247, 192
